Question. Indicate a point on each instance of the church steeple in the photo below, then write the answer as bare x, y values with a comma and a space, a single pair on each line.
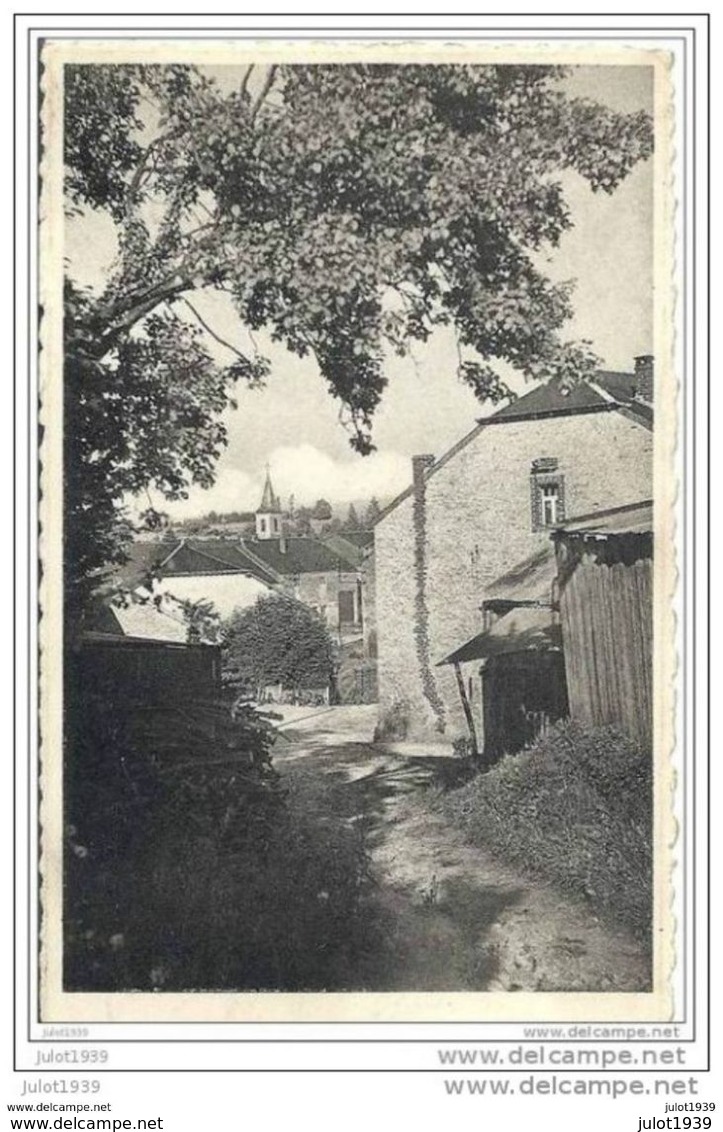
268, 516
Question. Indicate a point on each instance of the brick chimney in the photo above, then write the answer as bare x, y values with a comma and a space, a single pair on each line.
644, 378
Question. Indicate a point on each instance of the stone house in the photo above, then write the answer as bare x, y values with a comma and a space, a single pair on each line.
488, 504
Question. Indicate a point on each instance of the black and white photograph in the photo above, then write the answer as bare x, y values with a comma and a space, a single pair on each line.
358, 407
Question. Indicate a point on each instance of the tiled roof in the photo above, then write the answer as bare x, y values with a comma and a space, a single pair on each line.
138, 617
301, 556
609, 391
351, 552
358, 538
262, 559
143, 619
551, 398
214, 556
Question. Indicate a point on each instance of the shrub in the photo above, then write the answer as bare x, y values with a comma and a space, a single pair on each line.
192, 873
576, 808
278, 640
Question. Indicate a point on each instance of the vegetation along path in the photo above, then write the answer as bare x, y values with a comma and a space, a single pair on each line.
447, 915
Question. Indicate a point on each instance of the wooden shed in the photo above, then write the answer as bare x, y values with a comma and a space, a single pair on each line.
149, 672
522, 675
605, 587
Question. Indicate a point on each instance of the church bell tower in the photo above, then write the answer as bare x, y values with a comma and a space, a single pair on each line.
268, 515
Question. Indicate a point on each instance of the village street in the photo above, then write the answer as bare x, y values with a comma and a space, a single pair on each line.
446, 915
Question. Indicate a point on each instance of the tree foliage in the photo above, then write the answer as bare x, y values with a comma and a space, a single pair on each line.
345, 209
278, 641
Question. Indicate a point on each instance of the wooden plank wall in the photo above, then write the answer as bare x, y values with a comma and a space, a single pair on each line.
606, 611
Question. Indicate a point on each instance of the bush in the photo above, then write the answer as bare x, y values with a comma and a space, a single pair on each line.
192, 874
576, 808
278, 640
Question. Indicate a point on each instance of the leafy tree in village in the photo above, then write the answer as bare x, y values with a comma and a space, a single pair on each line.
345, 210
203, 622
278, 641
322, 510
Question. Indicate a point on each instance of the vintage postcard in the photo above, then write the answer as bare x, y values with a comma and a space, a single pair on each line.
357, 646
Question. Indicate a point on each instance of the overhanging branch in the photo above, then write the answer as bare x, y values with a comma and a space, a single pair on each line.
221, 341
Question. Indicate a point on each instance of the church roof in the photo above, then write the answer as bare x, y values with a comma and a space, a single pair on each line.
269, 499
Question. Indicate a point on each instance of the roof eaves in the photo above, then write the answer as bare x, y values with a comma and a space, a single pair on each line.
544, 414
641, 412
603, 393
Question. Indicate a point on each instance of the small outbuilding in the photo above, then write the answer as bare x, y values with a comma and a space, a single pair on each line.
605, 587
518, 659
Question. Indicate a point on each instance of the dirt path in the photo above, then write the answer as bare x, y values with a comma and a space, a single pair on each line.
452, 918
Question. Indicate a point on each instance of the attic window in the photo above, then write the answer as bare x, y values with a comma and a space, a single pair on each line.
547, 496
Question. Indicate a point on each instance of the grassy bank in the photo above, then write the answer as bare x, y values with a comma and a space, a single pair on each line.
575, 809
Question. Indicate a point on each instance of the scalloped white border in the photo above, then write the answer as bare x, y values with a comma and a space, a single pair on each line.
57, 1005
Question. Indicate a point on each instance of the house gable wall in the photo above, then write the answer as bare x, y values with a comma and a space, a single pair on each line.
478, 525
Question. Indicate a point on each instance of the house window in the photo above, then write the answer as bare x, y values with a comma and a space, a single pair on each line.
262, 525
276, 525
550, 493
547, 496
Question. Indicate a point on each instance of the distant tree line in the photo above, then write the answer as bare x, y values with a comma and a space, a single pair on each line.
299, 520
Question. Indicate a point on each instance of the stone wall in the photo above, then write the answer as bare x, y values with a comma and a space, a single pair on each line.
320, 591
478, 524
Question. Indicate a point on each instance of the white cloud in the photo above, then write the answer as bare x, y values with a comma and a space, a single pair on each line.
310, 474
305, 472
234, 490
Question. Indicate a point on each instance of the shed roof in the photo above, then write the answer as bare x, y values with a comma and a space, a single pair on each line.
634, 518
521, 630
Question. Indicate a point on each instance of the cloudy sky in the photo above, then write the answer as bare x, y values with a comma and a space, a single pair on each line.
293, 423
